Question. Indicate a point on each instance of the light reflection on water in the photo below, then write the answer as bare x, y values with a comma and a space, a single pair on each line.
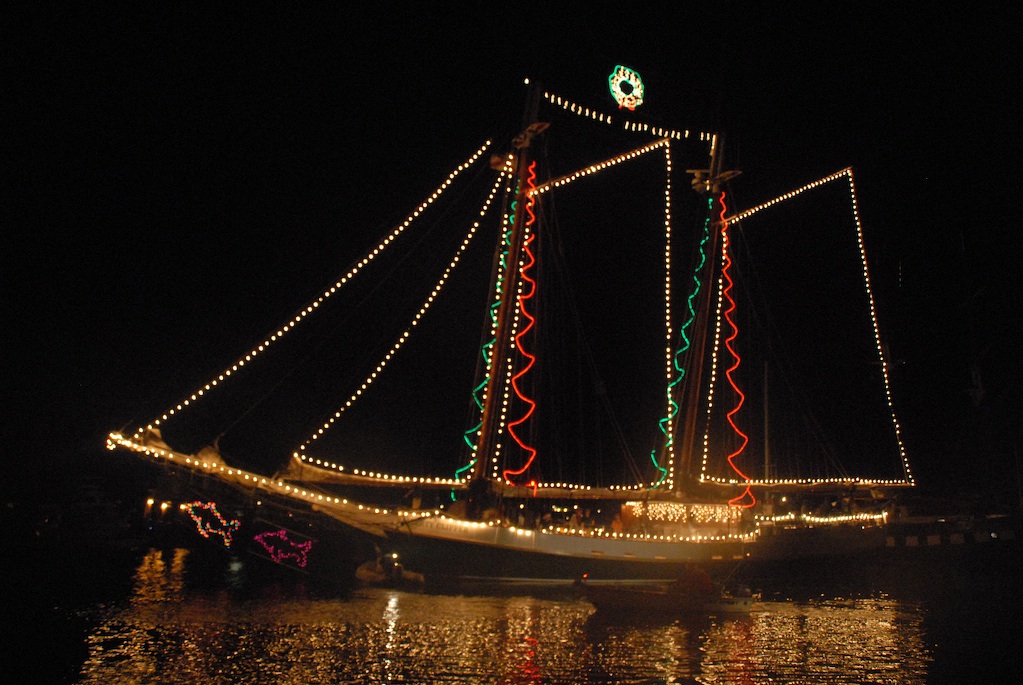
167, 633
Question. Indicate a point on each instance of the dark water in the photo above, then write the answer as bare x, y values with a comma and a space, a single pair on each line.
172, 617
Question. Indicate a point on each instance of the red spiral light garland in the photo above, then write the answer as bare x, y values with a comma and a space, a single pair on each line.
727, 294
520, 336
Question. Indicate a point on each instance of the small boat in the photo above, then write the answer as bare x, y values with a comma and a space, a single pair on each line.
385, 571
661, 600
693, 593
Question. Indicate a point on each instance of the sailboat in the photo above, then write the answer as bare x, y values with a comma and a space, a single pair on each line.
508, 507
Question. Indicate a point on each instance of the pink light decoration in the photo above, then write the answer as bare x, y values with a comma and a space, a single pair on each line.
280, 547
219, 526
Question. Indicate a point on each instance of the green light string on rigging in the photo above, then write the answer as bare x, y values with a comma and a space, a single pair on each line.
477, 392
665, 423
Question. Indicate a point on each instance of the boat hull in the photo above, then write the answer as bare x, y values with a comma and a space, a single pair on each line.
796, 542
442, 548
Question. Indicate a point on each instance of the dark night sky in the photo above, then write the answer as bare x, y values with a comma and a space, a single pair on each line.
179, 179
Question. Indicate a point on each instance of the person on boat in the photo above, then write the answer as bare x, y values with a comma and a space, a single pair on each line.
577, 520
588, 521
415, 498
478, 499
494, 514
458, 510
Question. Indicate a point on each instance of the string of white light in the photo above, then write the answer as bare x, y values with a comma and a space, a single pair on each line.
735, 218
402, 339
598, 166
669, 334
314, 305
562, 181
387, 516
628, 125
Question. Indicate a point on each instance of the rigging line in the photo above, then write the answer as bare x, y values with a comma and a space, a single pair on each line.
341, 322
438, 286
906, 471
780, 353
314, 305
556, 265
729, 308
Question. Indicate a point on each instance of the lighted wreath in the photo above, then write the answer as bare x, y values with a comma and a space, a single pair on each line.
626, 87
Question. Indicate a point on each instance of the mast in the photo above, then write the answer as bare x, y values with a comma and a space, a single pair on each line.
707, 182
767, 433
490, 425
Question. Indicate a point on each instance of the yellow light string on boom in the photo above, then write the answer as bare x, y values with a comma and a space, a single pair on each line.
598, 166
323, 297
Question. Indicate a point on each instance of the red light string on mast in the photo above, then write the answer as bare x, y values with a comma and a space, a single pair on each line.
519, 337
729, 308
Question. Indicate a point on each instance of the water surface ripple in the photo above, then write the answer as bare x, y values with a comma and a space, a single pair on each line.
168, 632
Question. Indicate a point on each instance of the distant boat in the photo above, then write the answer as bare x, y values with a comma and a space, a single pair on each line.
662, 602
495, 515
386, 571
693, 593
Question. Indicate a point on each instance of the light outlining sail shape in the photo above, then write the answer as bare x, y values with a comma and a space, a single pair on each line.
315, 304
908, 478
